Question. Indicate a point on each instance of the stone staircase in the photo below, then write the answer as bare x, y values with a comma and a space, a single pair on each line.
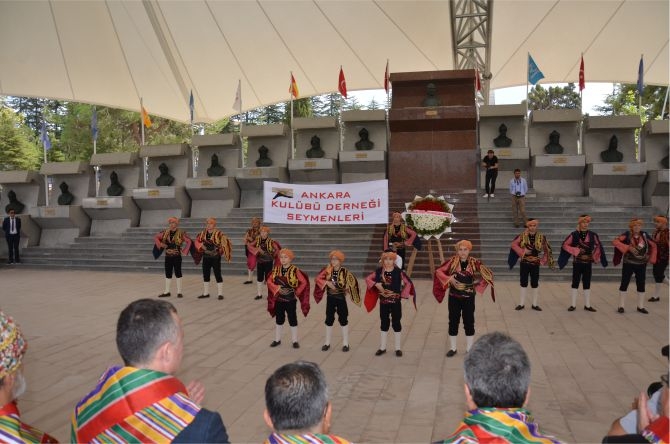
487, 223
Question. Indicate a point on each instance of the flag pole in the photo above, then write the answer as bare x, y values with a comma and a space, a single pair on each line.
95, 151
145, 163
665, 102
387, 85
46, 177
525, 116
290, 121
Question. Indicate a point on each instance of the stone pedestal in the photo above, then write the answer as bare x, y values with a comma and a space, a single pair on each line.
613, 182
653, 149
556, 174
509, 158
433, 147
315, 170
61, 224
215, 196
112, 215
29, 189
363, 165
250, 178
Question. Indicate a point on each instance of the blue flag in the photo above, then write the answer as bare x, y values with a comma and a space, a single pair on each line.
94, 124
44, 137
534, 73
640, 77
191, 105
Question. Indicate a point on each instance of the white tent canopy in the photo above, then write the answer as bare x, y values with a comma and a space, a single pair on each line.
115, 52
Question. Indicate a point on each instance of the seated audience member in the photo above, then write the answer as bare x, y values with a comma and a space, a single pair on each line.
142, 401
497, 378
627, 424
650, 428
12, 385
297, 407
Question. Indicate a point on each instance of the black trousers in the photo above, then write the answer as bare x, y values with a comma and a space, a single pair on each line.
210, 263
490, 182
172, 263
285, 310
581, 271
532, 270
336, 305
639, 270
390, 315
659, 270
262, 270
466, 308
13, 247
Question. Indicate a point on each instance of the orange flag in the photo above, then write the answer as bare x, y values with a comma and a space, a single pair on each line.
342, 84
146, 120
293, 88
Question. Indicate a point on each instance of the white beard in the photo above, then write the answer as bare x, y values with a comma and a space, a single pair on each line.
19, 385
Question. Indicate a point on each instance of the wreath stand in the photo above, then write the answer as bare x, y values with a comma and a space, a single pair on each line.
431, 256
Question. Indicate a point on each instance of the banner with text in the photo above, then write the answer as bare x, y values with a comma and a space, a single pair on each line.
347, 204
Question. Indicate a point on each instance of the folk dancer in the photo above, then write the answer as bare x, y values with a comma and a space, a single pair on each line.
534, 250
336, 281
389, 284
398, 236
249, 241
286, 285
12, 385
637, 249
585, 248
171, 240
212, 244
464, 276
660, 236
266, 251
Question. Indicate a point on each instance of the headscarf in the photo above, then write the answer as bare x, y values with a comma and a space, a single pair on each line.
465, 242
211, 220
12, 345
337, 254
288, 252
635, 221
173, 219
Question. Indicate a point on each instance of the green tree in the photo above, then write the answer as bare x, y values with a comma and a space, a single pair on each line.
327, 104
18, 151
351, 103
554, 97
624, 101
374, 104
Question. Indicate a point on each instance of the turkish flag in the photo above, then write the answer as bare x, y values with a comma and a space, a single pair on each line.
582, 82
386, 77
342, 84
478, 82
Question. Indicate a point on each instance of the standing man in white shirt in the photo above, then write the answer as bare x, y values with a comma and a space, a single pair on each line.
518, 189
11, 225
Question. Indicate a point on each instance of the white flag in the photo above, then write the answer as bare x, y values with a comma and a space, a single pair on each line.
238, 98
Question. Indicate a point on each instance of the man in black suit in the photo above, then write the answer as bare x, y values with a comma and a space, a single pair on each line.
11, 225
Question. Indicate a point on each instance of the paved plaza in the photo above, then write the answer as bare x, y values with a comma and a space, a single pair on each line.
586, 367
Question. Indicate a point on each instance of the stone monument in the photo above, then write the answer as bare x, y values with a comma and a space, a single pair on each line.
65, 198
115, 188
611, 154
554, 147
165, 179
14, 203
364, 144
263, 157
215, 169
502, 141
431, 98
315, 152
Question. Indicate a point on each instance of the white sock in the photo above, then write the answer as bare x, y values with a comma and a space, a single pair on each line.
167, 285
587, 298
522, 296
657, 289
345, 335
536, 293
382, 346
179, 285
573, 296
329, 334
397, 335
294, 334
468, 342
250, 271
219, 288
278, 333
205, 288
452, 342
622, 297
640, 300
259, 286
